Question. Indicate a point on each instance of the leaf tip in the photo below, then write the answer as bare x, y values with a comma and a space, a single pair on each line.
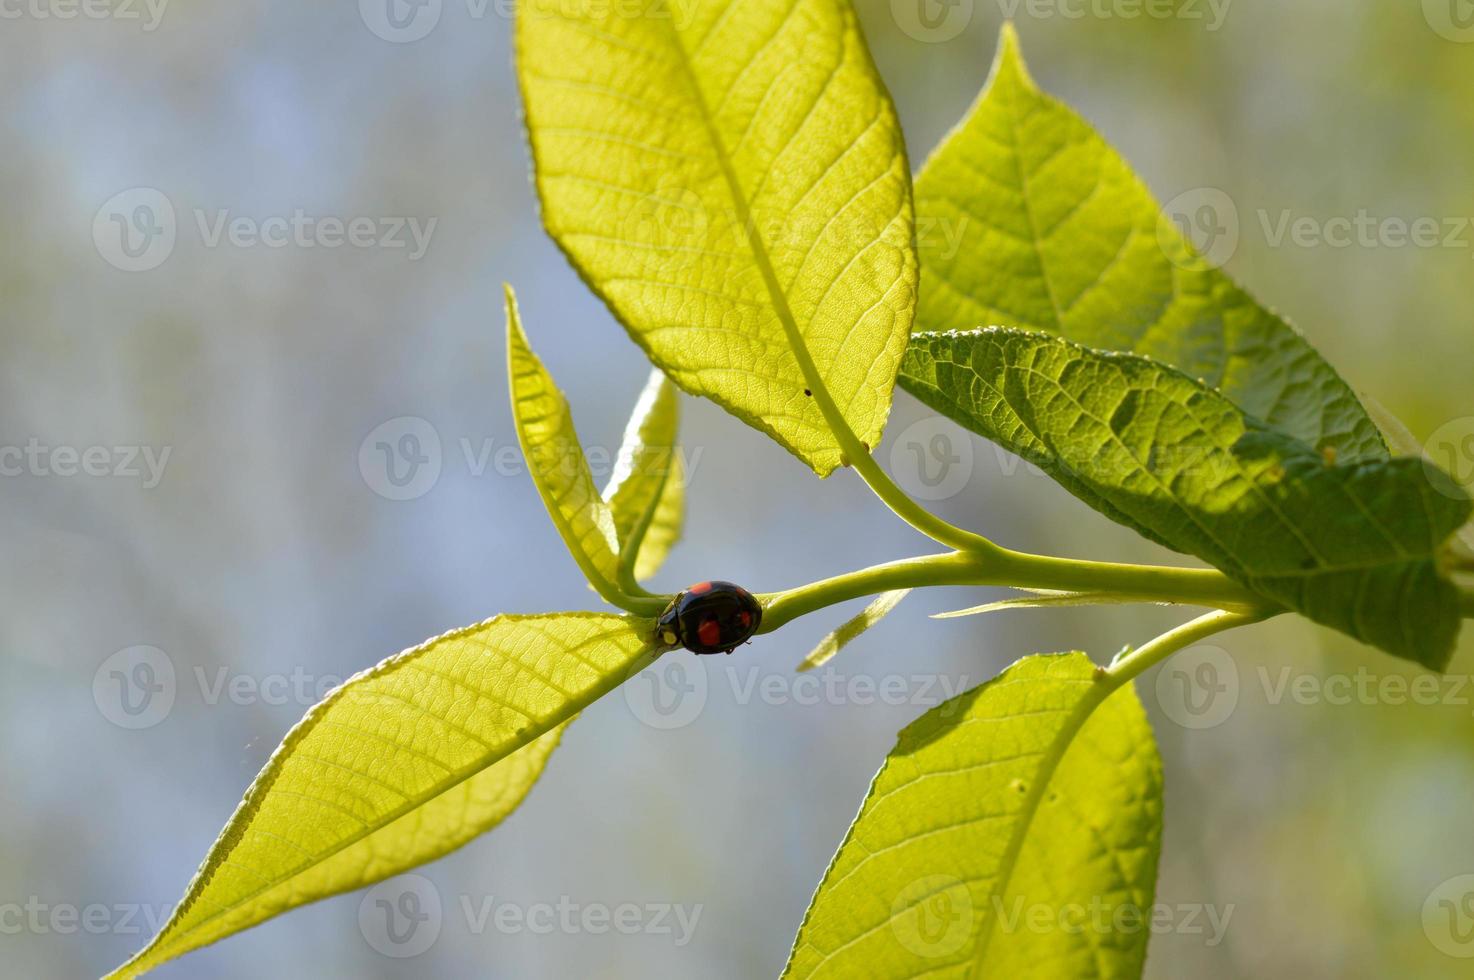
1009, 64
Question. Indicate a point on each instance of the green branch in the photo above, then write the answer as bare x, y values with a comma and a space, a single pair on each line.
1144, 583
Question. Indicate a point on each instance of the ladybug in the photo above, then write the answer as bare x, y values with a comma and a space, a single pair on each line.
710, 617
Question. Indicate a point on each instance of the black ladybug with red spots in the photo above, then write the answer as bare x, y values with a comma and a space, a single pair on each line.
710, 617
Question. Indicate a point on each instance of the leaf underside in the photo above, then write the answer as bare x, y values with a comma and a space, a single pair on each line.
1007, 799
1046, 228
1352, 546
878, 609
556, 460
399, 765
730, 178
647, 489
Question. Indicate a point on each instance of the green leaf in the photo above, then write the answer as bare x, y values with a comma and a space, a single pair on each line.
399, 765
731, 179
1354, 546
556, 460
1054, 232
877, 610
1402, 441
1039, 790
647, 490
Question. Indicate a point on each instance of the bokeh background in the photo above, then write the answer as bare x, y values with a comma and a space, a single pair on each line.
268, 556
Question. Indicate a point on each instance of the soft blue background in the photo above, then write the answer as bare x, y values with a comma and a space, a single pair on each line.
264, 551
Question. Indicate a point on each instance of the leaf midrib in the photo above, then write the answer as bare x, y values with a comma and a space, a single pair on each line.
849, 443
1053, 756
565, 712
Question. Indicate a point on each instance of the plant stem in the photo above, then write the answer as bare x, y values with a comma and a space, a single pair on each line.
909, 510
1133, 664
1148, 583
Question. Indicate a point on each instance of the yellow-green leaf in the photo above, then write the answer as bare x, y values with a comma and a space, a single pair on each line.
730, 177
647, 490
877, 610
1049, 229
556, 460
1008, 806
402, 763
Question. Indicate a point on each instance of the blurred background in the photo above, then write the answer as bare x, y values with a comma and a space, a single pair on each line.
202, 533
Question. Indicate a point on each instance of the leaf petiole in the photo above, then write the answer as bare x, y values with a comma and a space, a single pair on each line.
1001, 567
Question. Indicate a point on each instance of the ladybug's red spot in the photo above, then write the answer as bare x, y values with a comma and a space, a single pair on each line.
745, 618
709, 633
700, 588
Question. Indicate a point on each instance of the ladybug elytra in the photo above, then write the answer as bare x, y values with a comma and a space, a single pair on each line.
710, 617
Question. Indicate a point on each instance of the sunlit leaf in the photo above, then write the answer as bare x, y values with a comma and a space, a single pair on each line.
879, 607
1355, 546
1047, 228
647, 490
1037, 792
730, 177
556, 460
402, 763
